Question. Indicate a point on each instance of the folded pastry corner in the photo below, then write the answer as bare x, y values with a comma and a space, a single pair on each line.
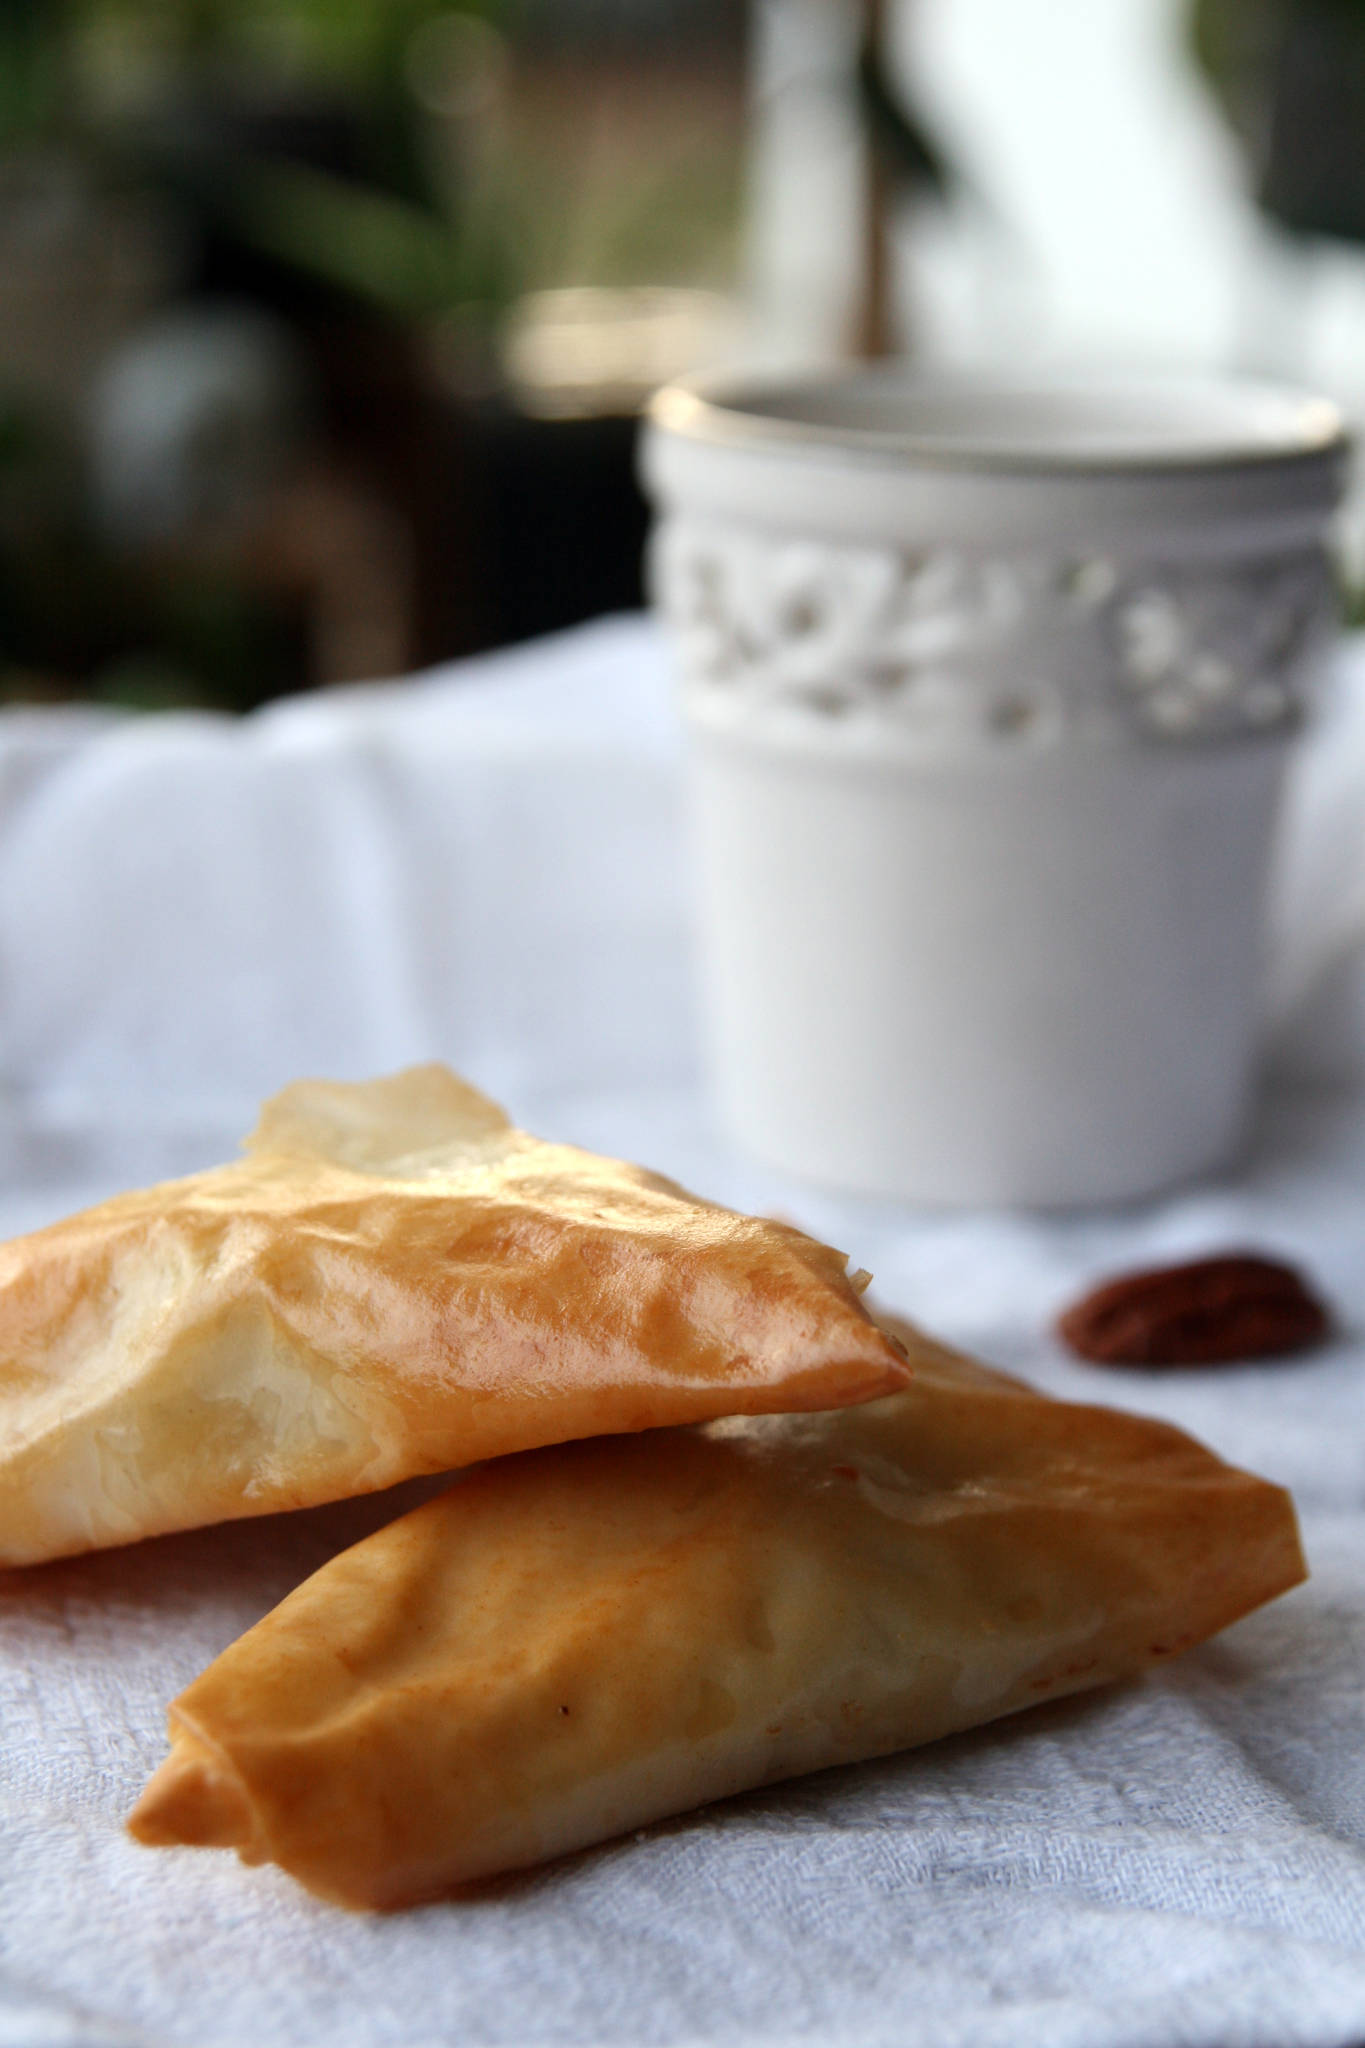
574, 1642
196, 1798
394, 1280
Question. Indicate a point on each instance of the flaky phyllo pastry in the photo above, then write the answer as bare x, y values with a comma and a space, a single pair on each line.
394, 1280
573, 1642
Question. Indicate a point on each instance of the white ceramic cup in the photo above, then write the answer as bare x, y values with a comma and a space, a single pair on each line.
991, 687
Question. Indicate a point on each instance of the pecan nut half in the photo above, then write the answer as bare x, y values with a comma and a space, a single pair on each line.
1213, 1311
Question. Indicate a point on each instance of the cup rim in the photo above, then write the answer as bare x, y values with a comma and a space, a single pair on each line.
1151, 421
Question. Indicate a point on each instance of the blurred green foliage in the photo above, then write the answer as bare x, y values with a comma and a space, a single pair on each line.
1290, 77
326, 163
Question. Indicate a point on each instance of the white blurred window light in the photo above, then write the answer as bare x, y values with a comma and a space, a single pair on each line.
1101, 211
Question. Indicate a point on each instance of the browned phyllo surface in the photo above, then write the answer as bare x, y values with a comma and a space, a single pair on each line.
574, 1642
393, 1281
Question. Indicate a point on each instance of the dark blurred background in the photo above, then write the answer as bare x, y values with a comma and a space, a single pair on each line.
324, 324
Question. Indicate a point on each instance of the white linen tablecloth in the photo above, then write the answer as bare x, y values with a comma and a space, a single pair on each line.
486, 865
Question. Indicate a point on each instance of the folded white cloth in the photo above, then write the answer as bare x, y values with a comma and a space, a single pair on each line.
482, 864
486, 865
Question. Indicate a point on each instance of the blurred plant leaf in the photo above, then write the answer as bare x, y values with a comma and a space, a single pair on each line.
387, 250
32, 60
1290, 78
912, 158
1228, 39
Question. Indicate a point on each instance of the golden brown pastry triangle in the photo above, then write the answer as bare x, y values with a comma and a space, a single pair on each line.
572, 1643
393, 1281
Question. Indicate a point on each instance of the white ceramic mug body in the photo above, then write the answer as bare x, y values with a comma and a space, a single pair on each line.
991, 692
